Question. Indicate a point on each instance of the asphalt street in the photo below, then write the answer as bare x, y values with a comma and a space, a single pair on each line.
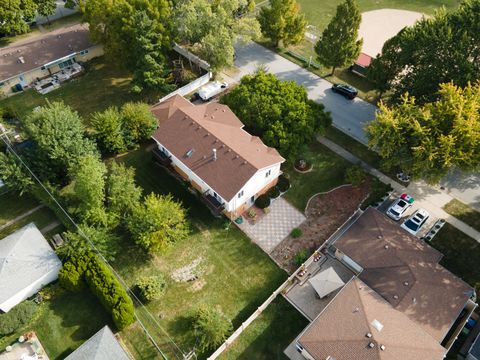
349, 116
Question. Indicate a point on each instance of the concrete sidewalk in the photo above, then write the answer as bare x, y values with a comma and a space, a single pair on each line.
426, 196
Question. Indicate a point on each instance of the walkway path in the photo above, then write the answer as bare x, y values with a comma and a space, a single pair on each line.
275, 226
426, 196
20, 217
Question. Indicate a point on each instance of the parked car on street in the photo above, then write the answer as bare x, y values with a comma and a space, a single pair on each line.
346, 90
415, 221
399, 207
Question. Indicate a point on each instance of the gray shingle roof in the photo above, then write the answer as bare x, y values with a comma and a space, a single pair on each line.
101, 346
25, 258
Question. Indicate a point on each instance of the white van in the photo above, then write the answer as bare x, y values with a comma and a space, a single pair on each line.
208, 91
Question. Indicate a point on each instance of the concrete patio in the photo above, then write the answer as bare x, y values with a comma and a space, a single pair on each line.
275, 226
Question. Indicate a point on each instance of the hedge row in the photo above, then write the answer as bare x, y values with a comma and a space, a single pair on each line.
89, 269
17, 317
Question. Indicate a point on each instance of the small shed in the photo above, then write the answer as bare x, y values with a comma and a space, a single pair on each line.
326, 282
361, 64
27, 264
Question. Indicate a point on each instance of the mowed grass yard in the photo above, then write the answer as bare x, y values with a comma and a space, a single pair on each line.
328, 172
13, 205
101, 86
64, 322
233, 273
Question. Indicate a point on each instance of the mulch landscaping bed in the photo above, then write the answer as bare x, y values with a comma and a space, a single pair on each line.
325, 214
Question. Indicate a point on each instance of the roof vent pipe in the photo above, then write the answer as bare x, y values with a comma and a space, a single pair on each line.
214, 154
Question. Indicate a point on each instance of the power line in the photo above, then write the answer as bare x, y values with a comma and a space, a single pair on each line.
117, 275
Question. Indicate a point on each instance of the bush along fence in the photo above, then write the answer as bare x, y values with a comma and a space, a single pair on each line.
87, 269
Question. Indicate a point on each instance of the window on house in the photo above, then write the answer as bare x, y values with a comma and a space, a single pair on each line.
240, 194
268, 173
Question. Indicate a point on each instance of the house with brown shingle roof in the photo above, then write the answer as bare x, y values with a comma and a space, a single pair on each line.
359, 324
402, 304
26, 61
405, 271
207, 145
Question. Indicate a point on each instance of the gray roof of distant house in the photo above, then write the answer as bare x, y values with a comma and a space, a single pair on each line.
101, 346
43, 49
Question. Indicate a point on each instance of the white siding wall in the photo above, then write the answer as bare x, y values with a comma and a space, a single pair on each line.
254, 185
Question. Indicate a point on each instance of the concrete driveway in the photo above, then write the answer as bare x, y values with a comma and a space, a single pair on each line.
349, 116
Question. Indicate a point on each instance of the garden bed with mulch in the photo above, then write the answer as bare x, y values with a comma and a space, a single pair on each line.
325, 213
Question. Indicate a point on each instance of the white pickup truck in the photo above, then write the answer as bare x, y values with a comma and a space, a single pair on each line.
208, 91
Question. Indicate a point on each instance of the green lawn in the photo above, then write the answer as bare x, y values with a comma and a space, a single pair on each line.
269, 334
327, 172
100, 87
319, 12
41, 218
234, 273
65, 322
461, 254
13, 205
463, 212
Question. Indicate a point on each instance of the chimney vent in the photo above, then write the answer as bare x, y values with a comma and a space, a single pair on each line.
369, 335
382, 347
371, 345
405, 283
386, 246
214, 154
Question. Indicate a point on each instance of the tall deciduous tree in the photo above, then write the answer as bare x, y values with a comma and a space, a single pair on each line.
212, 28
123, 195
134, 34
89, 185
107, 130
59, 136
339, 44
46, 8
427, 141
138, 123
433, 51
13, 174
158, 223
282, 21
15, 15
278, 111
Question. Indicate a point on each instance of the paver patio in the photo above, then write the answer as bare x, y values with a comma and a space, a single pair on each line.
275, 226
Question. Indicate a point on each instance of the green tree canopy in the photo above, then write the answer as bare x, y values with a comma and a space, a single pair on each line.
282, 21
212, 27
135, 34
277, 111
428, 140
434, 51
13, 174
123, 195
157, 223
89, 184
46, 8
339, 44
107, 130
15, 15
138, 123
211, 327
58, 133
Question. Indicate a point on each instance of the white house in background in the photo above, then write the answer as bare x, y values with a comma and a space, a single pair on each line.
27, 264
207, 146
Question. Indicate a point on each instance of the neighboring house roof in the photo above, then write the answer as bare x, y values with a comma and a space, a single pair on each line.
342, 330
25, 258
101, 346
405, 271
364, 60
184, 126
42, 49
